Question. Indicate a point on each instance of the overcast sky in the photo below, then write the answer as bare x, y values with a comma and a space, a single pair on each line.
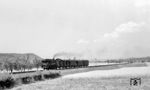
93, 28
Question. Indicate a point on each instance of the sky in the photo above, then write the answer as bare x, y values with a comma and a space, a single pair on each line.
102, 29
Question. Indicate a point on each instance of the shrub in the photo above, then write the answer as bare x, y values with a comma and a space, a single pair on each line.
7, 83
46, 76
51, 75
10, 80
54, 75
26, 80
37, 77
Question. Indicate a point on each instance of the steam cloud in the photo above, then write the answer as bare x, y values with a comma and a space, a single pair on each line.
67, 55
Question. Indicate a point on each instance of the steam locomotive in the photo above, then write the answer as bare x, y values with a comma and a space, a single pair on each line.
63, 64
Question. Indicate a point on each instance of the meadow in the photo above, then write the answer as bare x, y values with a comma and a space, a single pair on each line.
111, 83
87, 80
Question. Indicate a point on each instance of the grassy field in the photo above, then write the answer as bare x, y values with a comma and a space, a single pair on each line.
89, 83
112, 83
111, 67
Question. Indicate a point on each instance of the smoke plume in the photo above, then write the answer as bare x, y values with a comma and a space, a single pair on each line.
67, 55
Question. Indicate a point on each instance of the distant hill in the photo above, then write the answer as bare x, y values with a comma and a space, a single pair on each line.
16, 57
130, 60
10, 61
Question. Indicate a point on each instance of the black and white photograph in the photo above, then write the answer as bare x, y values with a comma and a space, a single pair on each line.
74, 44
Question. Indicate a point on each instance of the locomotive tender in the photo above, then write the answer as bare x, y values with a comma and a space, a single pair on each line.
63, 64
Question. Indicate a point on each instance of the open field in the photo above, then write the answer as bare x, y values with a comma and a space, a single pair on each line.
114, 83
132, 71
101, 67
95, 80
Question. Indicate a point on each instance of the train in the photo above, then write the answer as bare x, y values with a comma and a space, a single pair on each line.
63, 64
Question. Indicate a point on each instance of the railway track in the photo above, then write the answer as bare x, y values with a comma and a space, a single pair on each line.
70, 68
107, 65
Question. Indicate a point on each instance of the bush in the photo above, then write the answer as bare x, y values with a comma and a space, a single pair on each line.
7, 83
26, 80
51, 75
46, 76
37, 77
54, 75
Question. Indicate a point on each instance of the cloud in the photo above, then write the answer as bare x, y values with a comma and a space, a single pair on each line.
142, 3
130, 39
127, 40
124, 28
143, 6
82, 41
